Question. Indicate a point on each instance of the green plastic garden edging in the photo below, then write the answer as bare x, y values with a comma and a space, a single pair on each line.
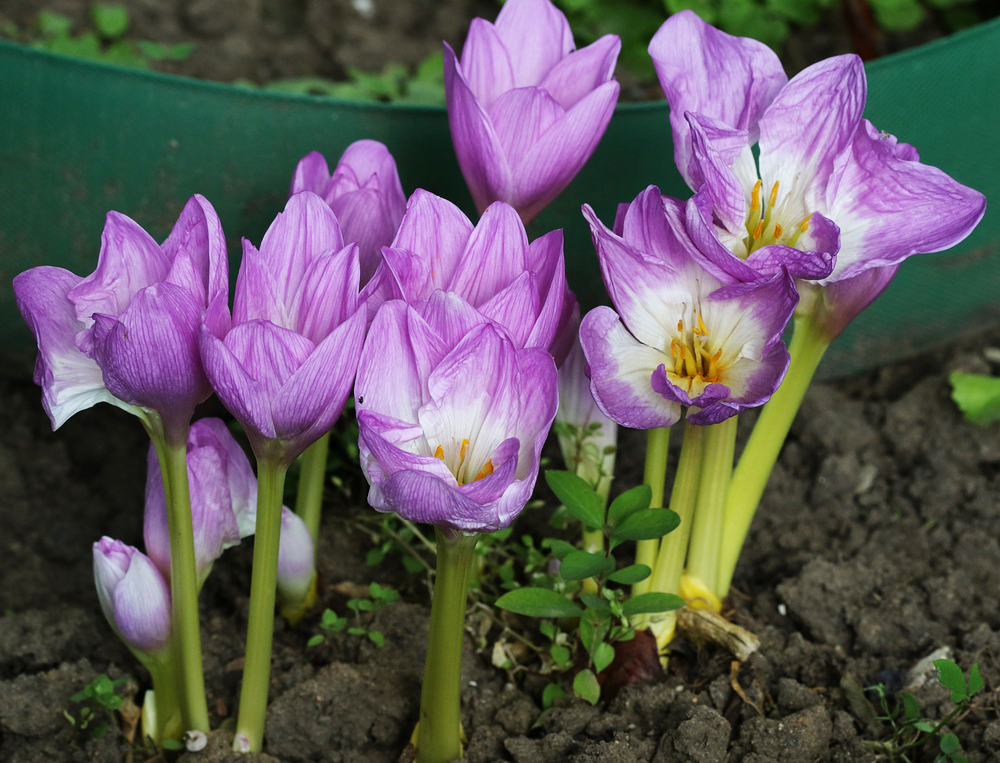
78, 139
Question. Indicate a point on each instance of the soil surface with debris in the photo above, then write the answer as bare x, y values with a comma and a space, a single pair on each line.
878, 543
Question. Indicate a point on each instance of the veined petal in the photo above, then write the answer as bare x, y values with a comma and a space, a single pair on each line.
477, 147
808, 125
130, 260
365, 219
196, 249
258, 296
438, 232
889, 206
844, 298
450, 317
516, 308
70, 381
711, 253
311, 399
305, 229
557, 157
620, 372
486, 63
311, 174
539, 32
814, 259
583, 71
213, 433
521, 117
328, 294
495, 255
706, 71
715, 148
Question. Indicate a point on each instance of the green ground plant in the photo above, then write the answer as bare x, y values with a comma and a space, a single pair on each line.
97, 703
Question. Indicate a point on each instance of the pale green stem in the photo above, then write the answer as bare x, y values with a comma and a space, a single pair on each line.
260, 628
166, 698
439, 736
655, 475
761, 452
666, 577
183, 576
718, 446
312, 480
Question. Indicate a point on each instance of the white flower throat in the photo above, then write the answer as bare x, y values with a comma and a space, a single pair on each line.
695, 365
456, 459
764, 226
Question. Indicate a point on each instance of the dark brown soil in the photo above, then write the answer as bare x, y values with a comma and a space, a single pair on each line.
878, 543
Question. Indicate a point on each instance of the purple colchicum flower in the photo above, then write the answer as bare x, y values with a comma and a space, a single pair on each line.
526, 109
296, 566
134, 597
491, 265
364, 193
128, 333
452, 416
830, 197
286, 365
223, 498
680, 336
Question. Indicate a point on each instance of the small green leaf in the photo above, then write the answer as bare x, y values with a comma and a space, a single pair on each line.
603, 655
593, 601
110, 20
578, 497
355, 630
630, 575
172, 744
580, 565
585, 686
975, 679
550, 694
911, 709
977, 396
951, 677
925, 726
950, 744
316, 640
559, 548
648, 603
646, 524
538, 602
374, 557
628, 503
413, 566
52, 24
560, 655
377, 638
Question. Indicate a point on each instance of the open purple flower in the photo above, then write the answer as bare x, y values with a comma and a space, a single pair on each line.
128, 332
526, 109
223, 497
286, 366
680, 336
364, 193
451, 421
134, 597
829, 198
491, 265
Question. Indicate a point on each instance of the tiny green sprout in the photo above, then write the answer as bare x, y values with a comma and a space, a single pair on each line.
331, 622
977, 396
99, 700
911, 729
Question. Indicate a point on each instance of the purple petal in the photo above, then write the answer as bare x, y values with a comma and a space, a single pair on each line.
477, 147
367, 220
486, 64
715, 148
196, 249
450, 318
620, 372
328, 294
537, 36
438, 232
889, 206
258, 296
845, 298
583, 70
521, 117
496, 254
311, 174
706, 71
557, 157
295, 558
516, 308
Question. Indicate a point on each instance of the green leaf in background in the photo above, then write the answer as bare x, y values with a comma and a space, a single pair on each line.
550, 694
646, 524
630, 575
110, 20
538, 602
603, 656
951, 677
977, 396
898, 15
975, 679
629, 502
580, 565
651, 603
585, 686
578, 497
559, 548
52, 24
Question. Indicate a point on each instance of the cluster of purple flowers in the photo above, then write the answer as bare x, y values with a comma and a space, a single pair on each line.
449, 331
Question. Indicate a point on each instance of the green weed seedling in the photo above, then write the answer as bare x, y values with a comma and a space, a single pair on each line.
331, 622
98, 702
977, 396
910, 729
104, 41
602, 613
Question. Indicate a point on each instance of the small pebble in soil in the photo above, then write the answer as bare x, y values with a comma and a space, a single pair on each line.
195, 741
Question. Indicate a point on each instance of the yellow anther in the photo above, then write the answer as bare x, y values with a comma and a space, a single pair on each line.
774, 195
701, 330
680, 326
777, 231
804, 225
461, 453
439, 453
675, 348
755, 194
486, 471
758, 230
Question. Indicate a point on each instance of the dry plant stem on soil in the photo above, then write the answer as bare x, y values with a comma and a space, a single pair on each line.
439, 736
655, 475
171, 452
760, 454
312, 479
260, 628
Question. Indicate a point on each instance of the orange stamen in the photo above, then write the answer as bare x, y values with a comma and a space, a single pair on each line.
486, 471
777, 231
439, 453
